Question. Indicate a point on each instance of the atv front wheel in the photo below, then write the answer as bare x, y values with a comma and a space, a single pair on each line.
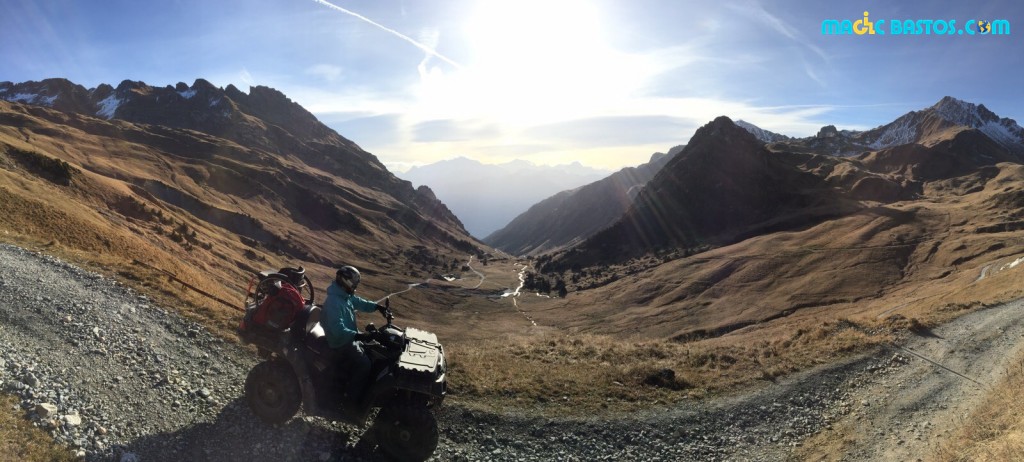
407, 433
272, 391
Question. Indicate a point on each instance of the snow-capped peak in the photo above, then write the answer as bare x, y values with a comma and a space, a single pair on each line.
963, 113
760, 133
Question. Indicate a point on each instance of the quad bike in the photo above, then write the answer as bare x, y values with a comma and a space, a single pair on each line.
407, 374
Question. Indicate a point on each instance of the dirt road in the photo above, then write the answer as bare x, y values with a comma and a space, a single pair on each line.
903, 412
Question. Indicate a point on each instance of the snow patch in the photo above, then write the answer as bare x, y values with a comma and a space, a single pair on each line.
1012, 264
187, 94
22, 97
108, 106
903, 131
31, 98
214, 102
1000, 133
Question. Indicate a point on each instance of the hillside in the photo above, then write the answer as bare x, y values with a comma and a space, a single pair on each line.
210, 184
724, 186
573, 215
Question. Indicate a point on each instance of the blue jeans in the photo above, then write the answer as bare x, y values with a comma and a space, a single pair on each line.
357, 365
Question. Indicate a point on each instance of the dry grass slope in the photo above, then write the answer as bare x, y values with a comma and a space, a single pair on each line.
995, 431
20, 441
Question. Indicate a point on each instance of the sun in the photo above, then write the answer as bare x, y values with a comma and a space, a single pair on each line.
532, 61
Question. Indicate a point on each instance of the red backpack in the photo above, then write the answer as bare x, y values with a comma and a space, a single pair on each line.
278, 309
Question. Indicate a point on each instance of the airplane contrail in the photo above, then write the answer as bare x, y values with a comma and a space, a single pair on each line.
419, 45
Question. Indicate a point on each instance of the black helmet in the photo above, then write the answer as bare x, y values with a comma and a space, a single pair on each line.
296, 276
348, 277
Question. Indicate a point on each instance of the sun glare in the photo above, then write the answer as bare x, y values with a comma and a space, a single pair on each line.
533, 62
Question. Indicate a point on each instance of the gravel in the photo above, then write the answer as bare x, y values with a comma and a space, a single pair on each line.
115, 377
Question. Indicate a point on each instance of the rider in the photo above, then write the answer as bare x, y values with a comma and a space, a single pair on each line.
339, 316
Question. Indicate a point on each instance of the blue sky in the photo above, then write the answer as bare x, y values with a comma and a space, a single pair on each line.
602, 82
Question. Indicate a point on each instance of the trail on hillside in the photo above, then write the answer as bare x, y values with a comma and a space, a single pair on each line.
469, 264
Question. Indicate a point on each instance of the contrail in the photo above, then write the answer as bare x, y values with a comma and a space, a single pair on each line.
419, 45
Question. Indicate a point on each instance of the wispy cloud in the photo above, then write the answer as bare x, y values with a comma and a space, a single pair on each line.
756, 11
327, 72
391, 31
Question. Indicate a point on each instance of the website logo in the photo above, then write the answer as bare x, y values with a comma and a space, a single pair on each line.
864, 26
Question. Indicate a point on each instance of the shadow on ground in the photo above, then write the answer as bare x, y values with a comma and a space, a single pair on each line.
238, 435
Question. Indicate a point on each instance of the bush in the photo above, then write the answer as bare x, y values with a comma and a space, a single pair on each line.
49, 168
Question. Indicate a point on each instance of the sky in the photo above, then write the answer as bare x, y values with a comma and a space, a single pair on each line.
602, 82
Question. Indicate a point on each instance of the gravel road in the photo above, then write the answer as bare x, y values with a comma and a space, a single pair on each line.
118, 378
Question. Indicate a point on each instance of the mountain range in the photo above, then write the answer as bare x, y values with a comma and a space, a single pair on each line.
679, 214
735, 231
737, 228
487, 196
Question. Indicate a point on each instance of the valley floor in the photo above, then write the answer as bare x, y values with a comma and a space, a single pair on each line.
146, 382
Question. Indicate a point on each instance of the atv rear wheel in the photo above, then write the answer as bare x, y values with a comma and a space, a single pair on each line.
272, 391
407, 433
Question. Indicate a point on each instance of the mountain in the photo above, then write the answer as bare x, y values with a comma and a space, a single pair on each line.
915, 127
210, 182
573, 215
735, 233
722, 186
760, 133
488, 196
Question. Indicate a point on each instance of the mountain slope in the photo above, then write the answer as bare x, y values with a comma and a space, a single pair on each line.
724, 185
571, 216
211, 184
488, 196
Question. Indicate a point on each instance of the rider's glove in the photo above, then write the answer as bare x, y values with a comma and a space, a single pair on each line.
363, 336
383, 309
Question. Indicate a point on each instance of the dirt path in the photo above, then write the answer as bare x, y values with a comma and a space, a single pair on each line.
901, 413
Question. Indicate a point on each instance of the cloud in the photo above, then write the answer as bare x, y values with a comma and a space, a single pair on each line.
453, 130
612, 131
754, 10
246, 77
369, 131
327, 72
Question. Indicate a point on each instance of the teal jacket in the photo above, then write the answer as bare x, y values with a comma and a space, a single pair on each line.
339, 315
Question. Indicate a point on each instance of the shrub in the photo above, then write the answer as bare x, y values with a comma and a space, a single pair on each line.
49, 168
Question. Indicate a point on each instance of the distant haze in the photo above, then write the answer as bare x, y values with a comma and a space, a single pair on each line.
485, 197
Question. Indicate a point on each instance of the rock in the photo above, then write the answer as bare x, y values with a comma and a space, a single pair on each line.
96, 333
129, 457
45, 410
204, 392
31, 380
73, 420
